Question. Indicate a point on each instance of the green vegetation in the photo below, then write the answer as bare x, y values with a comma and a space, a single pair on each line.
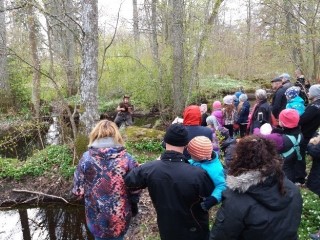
53, 158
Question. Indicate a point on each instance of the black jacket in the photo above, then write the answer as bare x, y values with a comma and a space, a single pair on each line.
313, 182
253, 208
279, 101
175, 188
310, 119
261, 115
244, 113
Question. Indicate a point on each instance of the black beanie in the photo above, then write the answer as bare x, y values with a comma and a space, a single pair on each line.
176, 135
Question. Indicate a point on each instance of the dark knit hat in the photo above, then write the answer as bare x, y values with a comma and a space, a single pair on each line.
200, 148
224, 132
176, 135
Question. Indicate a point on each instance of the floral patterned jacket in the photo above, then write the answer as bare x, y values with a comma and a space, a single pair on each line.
99, 176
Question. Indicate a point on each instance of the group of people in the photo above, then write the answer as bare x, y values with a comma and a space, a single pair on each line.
256, 183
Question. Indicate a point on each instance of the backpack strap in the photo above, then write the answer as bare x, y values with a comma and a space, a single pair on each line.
295, 147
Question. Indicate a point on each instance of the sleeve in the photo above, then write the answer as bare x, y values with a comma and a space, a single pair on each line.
229, 222
276, 105
137, 178
219, 182
314, 150
307, 116
78, 179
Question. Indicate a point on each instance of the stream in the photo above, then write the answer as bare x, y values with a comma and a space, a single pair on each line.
50, 222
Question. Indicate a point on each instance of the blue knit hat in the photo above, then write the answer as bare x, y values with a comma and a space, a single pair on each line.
292, 92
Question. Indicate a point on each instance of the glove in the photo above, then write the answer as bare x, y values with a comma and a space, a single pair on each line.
208, 202
134, 199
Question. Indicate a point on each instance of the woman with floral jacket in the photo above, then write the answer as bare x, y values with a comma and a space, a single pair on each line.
99, 179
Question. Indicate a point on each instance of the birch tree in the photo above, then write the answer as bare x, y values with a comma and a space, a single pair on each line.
4, 82
89, 75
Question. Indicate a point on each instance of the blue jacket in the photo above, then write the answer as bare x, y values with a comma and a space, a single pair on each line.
244, 113
216, 173
296, 103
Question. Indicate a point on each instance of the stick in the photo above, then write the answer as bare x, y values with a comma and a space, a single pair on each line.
39, 193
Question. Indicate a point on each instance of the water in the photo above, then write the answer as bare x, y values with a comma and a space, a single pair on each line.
53, 135
51, 222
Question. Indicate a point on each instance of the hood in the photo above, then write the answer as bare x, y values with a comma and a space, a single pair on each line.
263, 189
192, 116
107, 142
297, 99
217, 113
105, 148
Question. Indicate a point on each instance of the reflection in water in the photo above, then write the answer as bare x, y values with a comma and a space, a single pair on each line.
44, 223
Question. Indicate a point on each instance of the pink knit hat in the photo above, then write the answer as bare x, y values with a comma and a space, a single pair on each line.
200, 148
289, 118
216, 105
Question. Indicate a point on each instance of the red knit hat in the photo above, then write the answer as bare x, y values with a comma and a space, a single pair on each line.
289, 118
200, 148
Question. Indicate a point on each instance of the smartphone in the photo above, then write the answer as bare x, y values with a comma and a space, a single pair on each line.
260, 116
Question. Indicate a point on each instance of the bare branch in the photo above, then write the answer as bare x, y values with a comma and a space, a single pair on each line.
112, 39
39, 193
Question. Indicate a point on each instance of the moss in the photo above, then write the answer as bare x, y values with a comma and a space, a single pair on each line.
81, 145
135, 134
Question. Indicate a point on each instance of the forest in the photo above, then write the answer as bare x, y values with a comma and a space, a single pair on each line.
76, 59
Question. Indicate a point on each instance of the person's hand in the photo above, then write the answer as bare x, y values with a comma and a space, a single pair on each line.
79, 193
208, 203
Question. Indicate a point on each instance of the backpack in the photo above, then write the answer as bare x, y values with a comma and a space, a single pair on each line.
295, 147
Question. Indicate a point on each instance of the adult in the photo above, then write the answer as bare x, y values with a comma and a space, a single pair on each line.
309, 122
261, 112
176, 189
279, 99
99, 179
260, 202
192, 122
125, 110
286, 80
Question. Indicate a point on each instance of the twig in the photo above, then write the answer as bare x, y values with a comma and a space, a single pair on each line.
39, 193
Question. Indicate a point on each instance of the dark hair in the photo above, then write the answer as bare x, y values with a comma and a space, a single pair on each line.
257, 153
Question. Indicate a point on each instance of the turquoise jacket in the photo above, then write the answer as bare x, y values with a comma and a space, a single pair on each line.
216, 173
296, 103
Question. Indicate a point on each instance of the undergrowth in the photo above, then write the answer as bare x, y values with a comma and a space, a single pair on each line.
52, 157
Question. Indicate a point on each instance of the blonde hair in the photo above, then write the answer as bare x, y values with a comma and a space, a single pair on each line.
105, 128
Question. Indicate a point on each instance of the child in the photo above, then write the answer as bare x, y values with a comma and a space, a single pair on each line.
200, 149
229, 113
294, 101
217, 112
243, 110
292, 136
313, 182
227, 144
213, 124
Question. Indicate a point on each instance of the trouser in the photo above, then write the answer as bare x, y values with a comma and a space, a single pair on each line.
300, 166
123, 118
243, 129
230, 128
289, 168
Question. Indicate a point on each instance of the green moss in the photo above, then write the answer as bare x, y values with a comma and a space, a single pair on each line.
135, 134
81, 145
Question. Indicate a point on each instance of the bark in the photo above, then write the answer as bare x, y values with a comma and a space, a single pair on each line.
248, 40
177, 43
24, 224
135, 15
200, 45
89, 75
33, 32
4, 82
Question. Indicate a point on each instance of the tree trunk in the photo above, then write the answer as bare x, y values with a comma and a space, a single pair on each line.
35, 60
24, 224
4, 81
89, 75
177, 43
248, 46
135, 15
200, 45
